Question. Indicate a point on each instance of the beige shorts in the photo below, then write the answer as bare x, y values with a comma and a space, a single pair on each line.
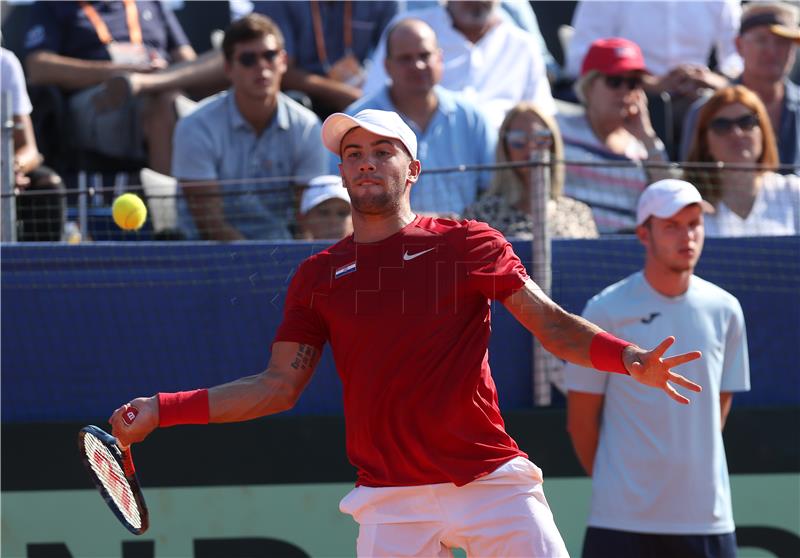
115, 133
502, 514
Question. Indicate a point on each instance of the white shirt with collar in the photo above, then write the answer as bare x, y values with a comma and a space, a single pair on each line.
504, 67
776, 211
669, 33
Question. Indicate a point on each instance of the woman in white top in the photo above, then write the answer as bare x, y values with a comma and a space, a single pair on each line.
734, 131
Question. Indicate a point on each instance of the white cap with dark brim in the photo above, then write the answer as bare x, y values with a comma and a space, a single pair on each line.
381, 122
667, 197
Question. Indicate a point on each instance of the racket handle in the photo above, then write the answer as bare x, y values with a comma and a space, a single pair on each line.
127, 461
128, 416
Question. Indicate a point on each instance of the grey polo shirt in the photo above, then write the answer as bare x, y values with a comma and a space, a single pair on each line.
215, 143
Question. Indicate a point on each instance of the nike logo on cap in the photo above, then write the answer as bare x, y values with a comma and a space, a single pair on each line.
408, 257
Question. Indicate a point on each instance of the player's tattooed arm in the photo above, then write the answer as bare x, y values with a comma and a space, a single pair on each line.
306, 357
274, 390
562, 333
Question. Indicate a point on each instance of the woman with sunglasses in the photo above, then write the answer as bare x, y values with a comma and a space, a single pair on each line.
734, 132
605, 143
506, 205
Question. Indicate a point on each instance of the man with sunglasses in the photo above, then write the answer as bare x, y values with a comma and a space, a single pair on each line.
451, 130
767, 41
620, 432
230, 151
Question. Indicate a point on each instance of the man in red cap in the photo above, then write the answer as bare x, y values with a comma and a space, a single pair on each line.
405, 305
614, 128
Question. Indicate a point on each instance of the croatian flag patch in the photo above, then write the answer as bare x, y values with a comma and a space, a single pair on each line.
344, 270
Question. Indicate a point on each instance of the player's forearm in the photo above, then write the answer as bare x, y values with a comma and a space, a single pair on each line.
272, 391
569, 337
276, 389
566, 335
250, 398
48, 68
244, 399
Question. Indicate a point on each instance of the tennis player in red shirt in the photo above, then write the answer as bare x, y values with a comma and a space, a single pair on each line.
405, 304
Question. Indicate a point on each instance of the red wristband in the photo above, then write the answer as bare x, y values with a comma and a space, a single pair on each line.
183, 407
605, 353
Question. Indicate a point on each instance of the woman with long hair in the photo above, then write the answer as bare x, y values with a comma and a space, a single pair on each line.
506, 206
735, 148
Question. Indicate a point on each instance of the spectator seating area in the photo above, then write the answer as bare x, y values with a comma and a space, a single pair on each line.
93, 180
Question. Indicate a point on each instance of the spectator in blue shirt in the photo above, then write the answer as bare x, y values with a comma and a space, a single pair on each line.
767, 42
77, 46
327, 43
450, 130
234, 153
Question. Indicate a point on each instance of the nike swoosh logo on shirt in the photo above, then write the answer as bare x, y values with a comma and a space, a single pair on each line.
651, 317
408, 257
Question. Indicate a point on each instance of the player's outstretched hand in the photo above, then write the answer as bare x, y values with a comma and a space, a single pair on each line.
135, 420
650, 368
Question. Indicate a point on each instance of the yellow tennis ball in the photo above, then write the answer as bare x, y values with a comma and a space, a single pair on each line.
129, 212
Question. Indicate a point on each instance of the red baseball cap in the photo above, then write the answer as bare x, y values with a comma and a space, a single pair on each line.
613, 56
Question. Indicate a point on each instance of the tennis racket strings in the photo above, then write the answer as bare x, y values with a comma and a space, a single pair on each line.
114, 475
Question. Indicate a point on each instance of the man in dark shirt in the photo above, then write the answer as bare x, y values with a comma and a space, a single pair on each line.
78, 46
327, 43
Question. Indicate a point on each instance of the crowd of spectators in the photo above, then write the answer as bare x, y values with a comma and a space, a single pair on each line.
707, 83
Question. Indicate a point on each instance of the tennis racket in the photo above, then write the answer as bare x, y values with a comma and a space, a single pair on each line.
111, 469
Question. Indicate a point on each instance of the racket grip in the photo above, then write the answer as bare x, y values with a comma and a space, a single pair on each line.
127, 461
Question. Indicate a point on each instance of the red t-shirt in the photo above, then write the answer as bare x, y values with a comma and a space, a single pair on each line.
408, 320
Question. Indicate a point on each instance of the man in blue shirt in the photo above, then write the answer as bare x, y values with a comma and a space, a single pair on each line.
77, 46
241, 156
328, 43
619, 431
450, 130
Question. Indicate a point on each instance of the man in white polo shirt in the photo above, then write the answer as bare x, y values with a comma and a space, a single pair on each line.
621, 432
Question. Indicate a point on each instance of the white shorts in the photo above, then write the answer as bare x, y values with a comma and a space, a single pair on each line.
502, 514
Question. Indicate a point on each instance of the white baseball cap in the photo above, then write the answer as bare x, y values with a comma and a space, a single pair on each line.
381, 122
665, 198
321, 189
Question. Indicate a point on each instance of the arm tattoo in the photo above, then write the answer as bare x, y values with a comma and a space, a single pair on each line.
304, 358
